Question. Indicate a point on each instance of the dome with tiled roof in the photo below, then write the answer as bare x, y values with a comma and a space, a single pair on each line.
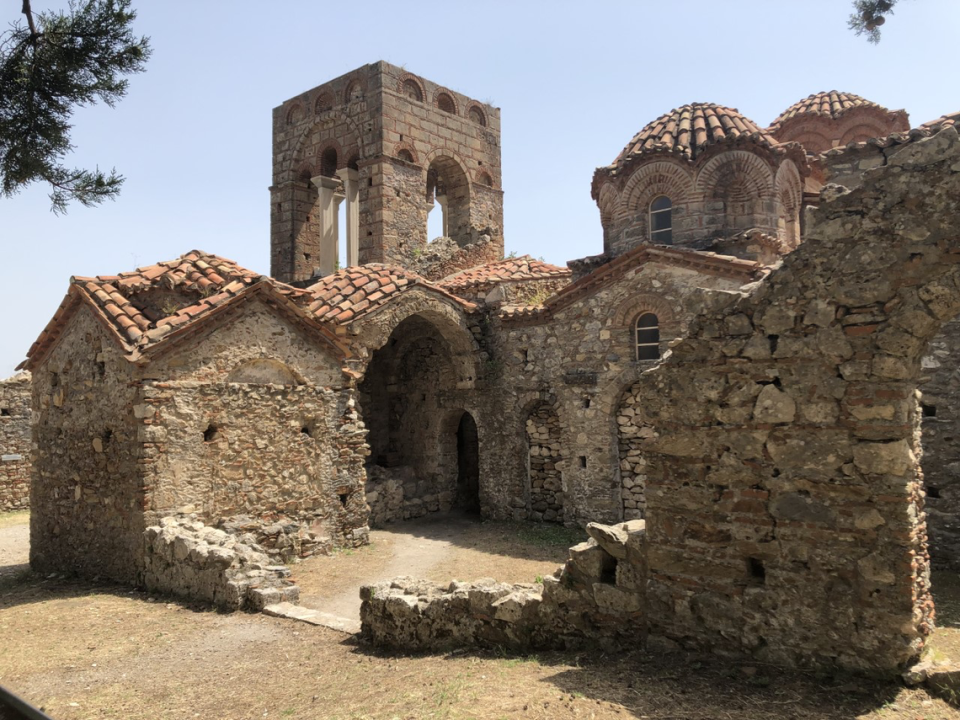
832, 119
688, 130
830, 104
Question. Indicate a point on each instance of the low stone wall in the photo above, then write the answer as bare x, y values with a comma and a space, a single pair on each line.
15, 417
184, 557
595, 599
398, 494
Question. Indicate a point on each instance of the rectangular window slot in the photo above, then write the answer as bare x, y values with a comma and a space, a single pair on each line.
583, 461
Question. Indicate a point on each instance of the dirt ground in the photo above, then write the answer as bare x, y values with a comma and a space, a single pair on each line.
81, 650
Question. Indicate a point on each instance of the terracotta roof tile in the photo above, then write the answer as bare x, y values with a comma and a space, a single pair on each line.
688, 130
356, 291
507, 270
202, 281
830, 104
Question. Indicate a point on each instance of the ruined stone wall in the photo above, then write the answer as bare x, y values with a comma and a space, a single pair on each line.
87, 503
183, 557
442, 256
784, 498
15, 417
595, 600
582, 359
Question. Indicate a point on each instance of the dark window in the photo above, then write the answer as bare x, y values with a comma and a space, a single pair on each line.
445, 103
661, 222
648, 337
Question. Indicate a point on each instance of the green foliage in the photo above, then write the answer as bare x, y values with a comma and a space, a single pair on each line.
868, 16
50, 65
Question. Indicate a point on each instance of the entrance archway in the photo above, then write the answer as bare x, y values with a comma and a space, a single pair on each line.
468, 465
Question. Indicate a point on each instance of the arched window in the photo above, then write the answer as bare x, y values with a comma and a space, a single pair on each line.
445, 103
648, 337
661, 221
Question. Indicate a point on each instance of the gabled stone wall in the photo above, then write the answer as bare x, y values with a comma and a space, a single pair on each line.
15, 417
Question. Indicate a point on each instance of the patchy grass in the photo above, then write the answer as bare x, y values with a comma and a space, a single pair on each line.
84, 651
546, 535
17, 517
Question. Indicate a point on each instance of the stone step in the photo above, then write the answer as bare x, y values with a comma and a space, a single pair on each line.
313, 617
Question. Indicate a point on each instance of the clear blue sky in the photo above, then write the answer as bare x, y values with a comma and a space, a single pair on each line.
574, 81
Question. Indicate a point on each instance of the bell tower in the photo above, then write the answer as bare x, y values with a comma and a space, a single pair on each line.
361, 161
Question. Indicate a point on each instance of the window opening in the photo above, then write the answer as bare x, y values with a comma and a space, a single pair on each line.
4, 412
211, 433
661, 223
648, 337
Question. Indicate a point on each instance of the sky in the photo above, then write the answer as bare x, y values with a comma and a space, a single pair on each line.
574, 81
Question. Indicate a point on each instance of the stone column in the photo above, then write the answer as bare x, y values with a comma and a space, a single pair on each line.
330, 200
351, 192
442, 202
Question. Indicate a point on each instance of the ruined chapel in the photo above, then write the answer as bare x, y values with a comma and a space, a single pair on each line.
748, 366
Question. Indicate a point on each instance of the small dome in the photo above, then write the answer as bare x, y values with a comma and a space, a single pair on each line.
831, 105
688, 130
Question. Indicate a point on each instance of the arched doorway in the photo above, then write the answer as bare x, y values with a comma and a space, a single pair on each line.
423, 446
448, 201
468, 465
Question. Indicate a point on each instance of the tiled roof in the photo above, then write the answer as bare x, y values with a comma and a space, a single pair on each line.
831, 104
704, 262
688, 130
948, 119
509, 269
203, 284
898, 138
353, 292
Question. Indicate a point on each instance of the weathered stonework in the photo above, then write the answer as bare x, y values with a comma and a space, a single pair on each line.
594, 600
183, 557
15, 415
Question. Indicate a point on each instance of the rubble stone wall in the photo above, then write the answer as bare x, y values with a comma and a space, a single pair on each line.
595, 599
15, 420
87, 503
784, 498
940, 411
183, 557
544, 443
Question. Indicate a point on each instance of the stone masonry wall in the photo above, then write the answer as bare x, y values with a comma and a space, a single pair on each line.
940, 410
86, 502
183, 557
582, 358
546, 488
784, 498
15, 416
594, 600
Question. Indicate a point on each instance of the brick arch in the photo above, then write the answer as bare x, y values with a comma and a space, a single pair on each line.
408, 81
789, 191
438, 96
407, 148
483, 177
325, 102
325, 122
738, 175
305, 171
476, 114
862, 131
326, 147
608, 200
650, 181
629, 310
355, 86
295, 114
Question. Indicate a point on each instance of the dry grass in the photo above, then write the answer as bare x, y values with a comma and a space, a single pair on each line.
17, 517
87, 651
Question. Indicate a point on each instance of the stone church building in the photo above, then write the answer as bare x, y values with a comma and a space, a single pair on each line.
423, 376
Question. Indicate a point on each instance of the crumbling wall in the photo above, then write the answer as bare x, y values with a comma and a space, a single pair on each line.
15, 417
784, 503
940, 410
442, 256
594, 600
87, 504
183, 557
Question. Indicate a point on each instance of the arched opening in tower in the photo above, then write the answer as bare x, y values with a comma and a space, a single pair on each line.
448, 202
